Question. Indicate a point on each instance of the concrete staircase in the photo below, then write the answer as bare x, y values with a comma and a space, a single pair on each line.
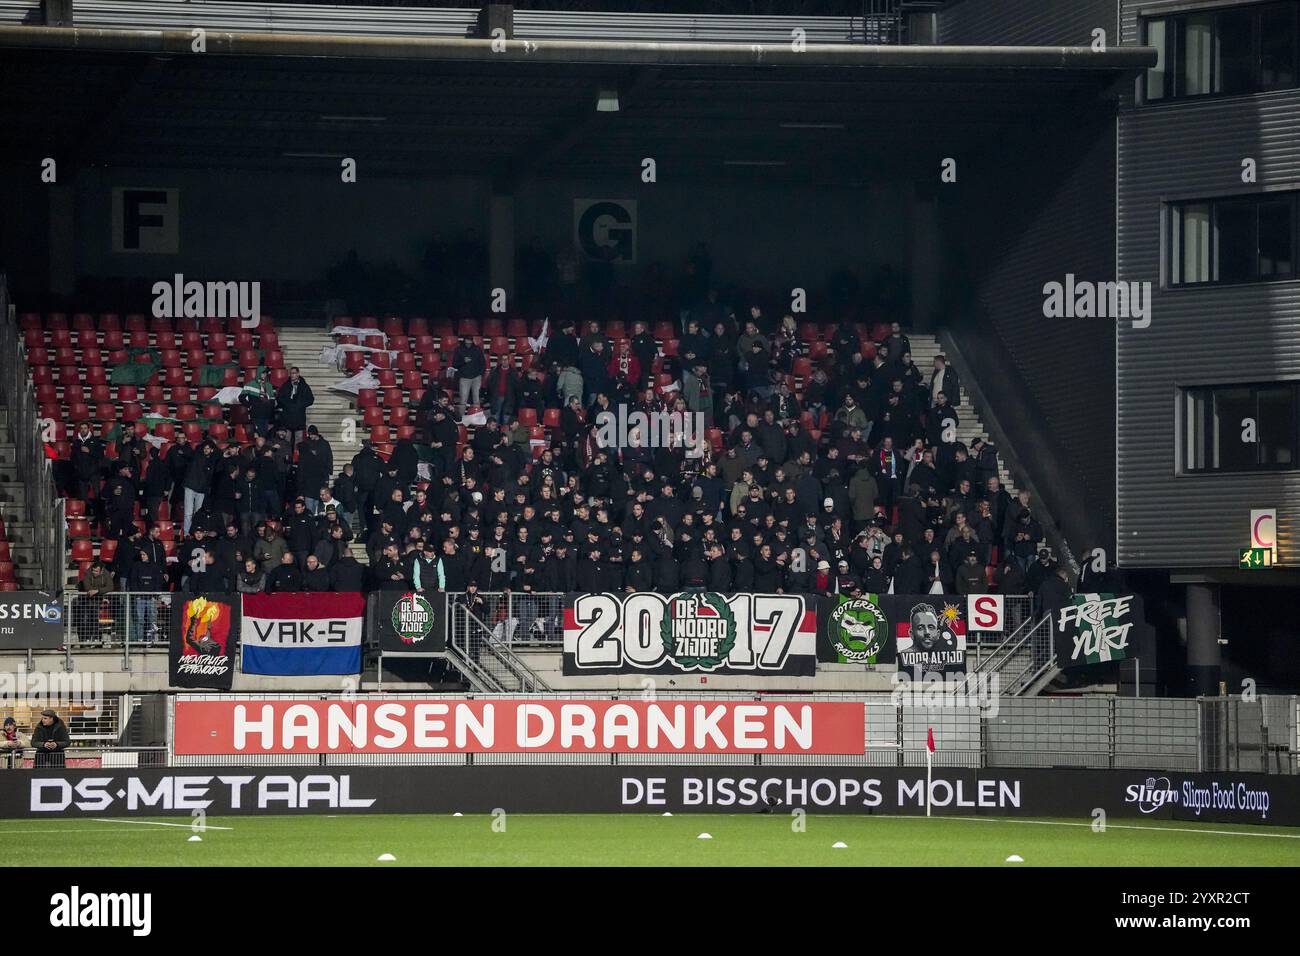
332, 411
969, 427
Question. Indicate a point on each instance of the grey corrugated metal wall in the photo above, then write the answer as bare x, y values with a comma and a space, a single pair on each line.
1035, 216
1026, 22
1042, 207
1206, 336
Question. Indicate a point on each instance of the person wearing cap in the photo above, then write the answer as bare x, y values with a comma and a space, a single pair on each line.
823, 581
12, 743
50, 739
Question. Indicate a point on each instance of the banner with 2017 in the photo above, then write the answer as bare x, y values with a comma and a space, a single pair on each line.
692, 632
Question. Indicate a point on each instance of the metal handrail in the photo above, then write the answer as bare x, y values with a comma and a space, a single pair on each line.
44, 507
527, 678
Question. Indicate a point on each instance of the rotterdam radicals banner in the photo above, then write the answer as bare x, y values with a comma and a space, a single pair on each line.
204, 631
690, 632
411, 625
1097, 628
304, 633
917, 631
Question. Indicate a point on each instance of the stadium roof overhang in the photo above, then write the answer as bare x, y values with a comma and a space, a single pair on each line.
833, 114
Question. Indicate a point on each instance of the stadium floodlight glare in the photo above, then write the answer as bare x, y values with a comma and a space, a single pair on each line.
607, 101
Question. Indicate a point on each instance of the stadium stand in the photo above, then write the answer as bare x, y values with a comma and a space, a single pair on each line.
126, 400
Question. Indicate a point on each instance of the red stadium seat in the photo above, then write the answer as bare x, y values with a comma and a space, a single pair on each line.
417, 325
500, 345
517, 328
78, 528
38, 355
180, 394
379, 434
74, 508
393, 326
393, 397
42, 375
528, 416
92, 356
405, 361
367, 398
670, 347
60, 338
817, 351
447, 346
386, 378
113, 341
468, 327
79, 412
193, 432
373, 416
279, 376
398, 416
412, 379
164, 340
803, 368
551, 418
275, 360
267, 338
204, 393
219, 431
107, 549
83, 550
664, 331
47, 393
109, 321
186, 412
354, 362
34, 338
165, 430
105, 412
174, 378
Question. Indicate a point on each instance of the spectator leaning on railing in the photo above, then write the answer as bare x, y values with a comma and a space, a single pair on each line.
12, 743
50, 739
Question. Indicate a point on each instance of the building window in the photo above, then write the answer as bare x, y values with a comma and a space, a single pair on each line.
1241, 427
1236, 239
1224, 52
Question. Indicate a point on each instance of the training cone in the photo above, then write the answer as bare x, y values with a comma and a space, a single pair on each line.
195, 839
1015, 858
839, 845
458, 814
387, 858
667, 814
705, 836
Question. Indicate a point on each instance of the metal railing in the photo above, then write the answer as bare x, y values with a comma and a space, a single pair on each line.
43, 506
130, 620
482, 649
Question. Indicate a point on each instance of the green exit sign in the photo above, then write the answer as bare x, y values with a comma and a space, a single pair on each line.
1250, 558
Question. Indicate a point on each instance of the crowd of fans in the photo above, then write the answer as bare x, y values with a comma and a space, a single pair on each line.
851, 481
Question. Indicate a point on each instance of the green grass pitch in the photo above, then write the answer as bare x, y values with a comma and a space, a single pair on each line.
639, 840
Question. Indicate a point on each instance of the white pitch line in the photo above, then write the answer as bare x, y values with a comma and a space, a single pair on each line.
155, 823
1129, 826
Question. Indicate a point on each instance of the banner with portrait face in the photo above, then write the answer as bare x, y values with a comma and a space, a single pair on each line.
930, 632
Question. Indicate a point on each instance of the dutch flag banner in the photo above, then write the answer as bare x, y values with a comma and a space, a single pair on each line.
288, 633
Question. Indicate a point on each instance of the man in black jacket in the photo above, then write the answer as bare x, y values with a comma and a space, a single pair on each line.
292, 401
285, 578
315, 466
50, 739
469, 363
367, 467
145, 579
315, 578
198, 481
347, 575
